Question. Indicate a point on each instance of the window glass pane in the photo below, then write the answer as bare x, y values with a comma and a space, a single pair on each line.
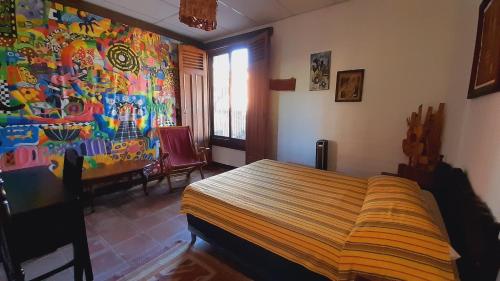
239, 92
221, 94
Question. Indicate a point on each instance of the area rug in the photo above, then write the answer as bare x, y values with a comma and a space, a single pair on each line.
183, 263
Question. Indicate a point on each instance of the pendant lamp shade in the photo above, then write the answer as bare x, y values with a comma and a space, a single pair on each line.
199, 13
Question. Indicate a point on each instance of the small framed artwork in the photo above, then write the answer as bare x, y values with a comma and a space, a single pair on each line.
320, 71
349, 85
485, 75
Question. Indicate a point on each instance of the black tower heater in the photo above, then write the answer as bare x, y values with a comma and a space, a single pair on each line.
322, 154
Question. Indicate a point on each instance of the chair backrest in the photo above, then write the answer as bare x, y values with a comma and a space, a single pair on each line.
72, 171
178, 142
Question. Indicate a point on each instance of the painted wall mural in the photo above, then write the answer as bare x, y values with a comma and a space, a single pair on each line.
69, 78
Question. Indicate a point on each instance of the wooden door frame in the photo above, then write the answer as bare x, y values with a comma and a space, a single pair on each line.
192, 72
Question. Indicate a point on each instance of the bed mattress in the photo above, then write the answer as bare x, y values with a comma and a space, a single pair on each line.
307, 216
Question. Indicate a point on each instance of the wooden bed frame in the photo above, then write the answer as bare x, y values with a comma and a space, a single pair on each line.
472, 229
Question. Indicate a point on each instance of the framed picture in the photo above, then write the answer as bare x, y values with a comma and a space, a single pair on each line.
485, 75
349, 85
320, 71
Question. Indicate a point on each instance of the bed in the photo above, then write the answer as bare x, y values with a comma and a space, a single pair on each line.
290, 222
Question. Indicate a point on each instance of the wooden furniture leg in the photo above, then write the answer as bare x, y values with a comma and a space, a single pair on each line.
84, 252
77, 256
89, 275
193, 238
169, 183
201, 172
160, 179
91, 198
79, 236
189, 173
130, 177
145, 183
18, 271
13, 269
81, 253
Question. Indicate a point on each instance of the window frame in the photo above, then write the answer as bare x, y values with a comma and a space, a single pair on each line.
222, 141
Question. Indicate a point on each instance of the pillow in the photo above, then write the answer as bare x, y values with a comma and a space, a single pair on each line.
394, 236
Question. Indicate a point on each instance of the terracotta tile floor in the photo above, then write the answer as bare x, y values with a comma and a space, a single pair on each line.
126, 230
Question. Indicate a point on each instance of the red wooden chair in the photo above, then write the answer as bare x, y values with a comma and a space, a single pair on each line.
178, 154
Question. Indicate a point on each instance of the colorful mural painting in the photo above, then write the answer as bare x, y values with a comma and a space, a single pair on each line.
73, 79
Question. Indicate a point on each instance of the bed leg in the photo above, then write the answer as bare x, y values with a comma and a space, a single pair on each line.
193, 238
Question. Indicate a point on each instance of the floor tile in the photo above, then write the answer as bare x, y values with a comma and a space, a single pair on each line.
67, 252
148, 255
111, 273
105, 262
119, 231
101, 215
90, 229
135, 247
164, 231
110, 223
34, 268
183, 235
97, 244
176, 206
3, 276
148, 222
126, 230
142, 207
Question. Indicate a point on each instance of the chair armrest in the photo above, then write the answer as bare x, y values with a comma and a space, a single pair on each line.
164, 155
202, 152
163, 159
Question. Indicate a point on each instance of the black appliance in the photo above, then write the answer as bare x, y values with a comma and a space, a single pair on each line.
322, 154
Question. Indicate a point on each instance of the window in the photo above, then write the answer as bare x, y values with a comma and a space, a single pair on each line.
229, 96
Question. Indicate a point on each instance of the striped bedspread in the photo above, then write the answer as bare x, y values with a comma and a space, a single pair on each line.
335, 225
299, 213
396, 236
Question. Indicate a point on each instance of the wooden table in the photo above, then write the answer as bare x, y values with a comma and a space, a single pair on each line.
44, 216
114, 172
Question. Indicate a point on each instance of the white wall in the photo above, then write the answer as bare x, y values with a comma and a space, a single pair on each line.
231, 157
479, 152
472, 132
404, 47
414, 52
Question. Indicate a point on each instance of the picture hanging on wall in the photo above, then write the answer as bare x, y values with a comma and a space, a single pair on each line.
485, 76
349, 85
320, 71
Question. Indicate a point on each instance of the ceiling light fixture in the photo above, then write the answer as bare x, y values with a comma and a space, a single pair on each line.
199, 13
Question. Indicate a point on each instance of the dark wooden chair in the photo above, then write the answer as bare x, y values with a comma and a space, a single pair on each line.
72, 180
38, 232
178, 154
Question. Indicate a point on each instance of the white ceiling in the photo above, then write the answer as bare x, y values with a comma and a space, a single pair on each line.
232, 15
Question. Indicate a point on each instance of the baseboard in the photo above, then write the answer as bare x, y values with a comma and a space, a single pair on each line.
225, 166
